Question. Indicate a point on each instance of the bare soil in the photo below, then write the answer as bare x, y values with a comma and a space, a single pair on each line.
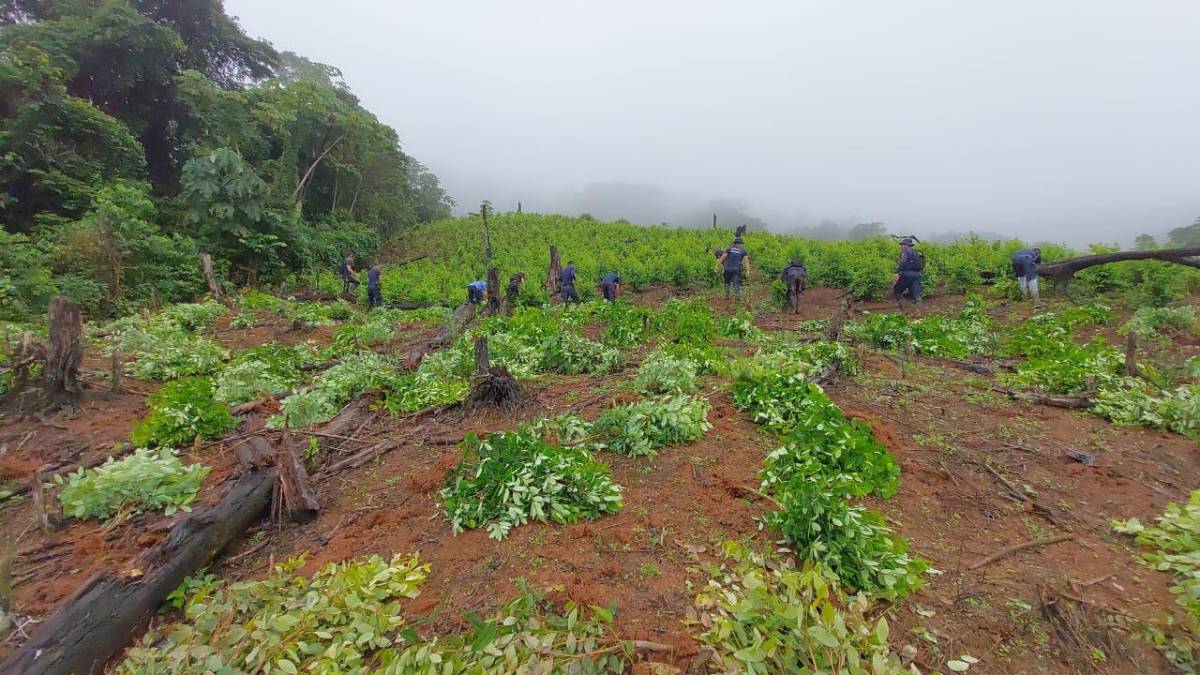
953, 436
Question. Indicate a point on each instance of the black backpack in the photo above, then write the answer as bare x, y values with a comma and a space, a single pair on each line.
918, 261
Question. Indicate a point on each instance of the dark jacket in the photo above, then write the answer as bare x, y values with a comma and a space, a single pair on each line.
908, 261
566, 276
734, 256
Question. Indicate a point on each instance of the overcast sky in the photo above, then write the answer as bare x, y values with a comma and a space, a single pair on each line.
1071, 120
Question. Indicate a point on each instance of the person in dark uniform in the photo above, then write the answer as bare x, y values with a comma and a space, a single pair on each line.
610, 286
514, 288
1024, 264
374, 289
910, 273
475, 291
735, 262
348, 275
795, 279
566, 283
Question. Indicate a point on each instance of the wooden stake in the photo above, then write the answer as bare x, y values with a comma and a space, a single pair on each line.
66, 349
714, 221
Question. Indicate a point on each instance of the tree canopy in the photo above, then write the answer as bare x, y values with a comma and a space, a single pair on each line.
265, 159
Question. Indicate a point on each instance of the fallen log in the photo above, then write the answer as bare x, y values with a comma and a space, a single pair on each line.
1063, 270
463, 316
108, 612
349, 418
1058, 401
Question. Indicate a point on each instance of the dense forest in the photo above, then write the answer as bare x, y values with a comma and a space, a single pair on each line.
135, 134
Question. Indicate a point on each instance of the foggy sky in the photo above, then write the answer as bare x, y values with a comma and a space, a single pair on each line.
1071, 120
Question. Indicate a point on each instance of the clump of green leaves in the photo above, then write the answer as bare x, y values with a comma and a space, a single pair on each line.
625, 325
507, 479
687, 321
353, 375
820, 439
1070, 368
768, 617
180, 412
741, 326
1153, 324
526, 636
967, 334
1174, 538
857, 545
147, 480
662, 373
640, 429
193, 317
571, 353
1133, 402
261, 371
826, 461
332, 622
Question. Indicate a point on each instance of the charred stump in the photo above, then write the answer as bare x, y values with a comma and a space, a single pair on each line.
492, 385
111, 609
61, 379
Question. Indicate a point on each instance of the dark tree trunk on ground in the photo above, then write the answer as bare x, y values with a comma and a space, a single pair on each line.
462, 317
108, 612
65, 351
1062, 271
493, 291
552, 273
298, 501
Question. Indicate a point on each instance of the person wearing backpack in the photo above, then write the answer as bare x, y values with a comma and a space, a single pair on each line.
736, 263
910, 272
1024, 265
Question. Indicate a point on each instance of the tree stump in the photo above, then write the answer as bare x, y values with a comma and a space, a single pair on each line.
61, 379
493, 386
552, 273
298, 501
493, 292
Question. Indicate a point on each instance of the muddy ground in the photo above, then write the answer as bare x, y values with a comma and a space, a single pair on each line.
980, 473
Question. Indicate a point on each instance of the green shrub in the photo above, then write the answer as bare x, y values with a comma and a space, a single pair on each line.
967, 334
355, 374
180, 412
661, 373
1133, 402
570, 353
147, 480
818, 519
767, 617
329, 623
526, 636
1175, 540
507, 479
640, 429
261, 371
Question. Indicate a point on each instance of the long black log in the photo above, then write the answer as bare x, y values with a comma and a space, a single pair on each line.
1063, 270
110, 609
